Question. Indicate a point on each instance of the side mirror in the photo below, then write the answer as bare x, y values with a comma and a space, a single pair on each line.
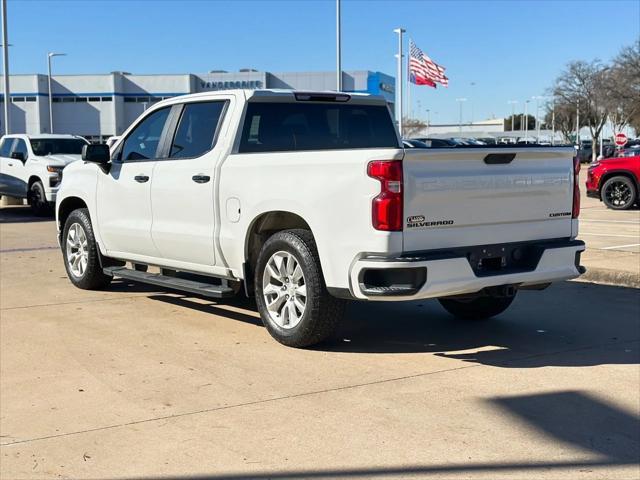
18, 156
96, 154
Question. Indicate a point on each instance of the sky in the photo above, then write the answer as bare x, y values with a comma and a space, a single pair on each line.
508, 50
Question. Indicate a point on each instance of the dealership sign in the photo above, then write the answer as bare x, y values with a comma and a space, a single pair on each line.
227, 85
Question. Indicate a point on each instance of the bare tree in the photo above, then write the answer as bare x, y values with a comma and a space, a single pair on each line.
623, 94
584, 84
564, 119
412, 126
518, 124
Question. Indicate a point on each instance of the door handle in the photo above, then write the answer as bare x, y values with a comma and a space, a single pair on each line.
11, 164
141, 178
201, 178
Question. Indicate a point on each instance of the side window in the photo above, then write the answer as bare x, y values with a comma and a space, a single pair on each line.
5, 148
143, 142
197, 129
20, 146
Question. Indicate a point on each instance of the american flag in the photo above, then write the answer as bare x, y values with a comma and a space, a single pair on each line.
423, 70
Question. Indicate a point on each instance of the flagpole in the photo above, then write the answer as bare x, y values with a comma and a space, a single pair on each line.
338, 49
399, 98
408, 91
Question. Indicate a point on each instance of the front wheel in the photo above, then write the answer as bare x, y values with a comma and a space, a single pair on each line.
619, 193
291, 295
477, 308
38, 200
80, 252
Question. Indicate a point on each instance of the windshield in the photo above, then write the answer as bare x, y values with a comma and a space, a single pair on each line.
53, 146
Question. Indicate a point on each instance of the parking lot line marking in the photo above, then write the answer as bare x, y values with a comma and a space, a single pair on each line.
31, 249
317, 392
607, 221
607, 235
621, 246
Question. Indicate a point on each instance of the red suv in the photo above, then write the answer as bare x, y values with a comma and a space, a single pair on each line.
615, 181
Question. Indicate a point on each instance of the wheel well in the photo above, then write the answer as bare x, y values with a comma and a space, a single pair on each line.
67, 206
261, 229
609, 175
33, 179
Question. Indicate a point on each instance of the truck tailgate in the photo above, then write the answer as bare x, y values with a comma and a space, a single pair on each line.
481, 196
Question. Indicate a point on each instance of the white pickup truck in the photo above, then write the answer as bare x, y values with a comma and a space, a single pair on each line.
31, 166
306, 200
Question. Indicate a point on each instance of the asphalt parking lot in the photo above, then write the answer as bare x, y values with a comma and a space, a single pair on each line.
133, 382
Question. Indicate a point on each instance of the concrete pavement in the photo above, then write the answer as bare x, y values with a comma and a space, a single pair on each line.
132, 382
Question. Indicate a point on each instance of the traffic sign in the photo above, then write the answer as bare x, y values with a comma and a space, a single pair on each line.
620, 139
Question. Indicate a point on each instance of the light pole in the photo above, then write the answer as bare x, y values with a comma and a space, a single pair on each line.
537, 98
49, 55
460, 100
5, 63
513, 112
473, 84
399, 98
553, 120
578, 123
338, 49
526, 122
428, 120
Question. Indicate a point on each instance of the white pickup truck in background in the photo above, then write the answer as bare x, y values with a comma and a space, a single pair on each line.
306, 200
31, 166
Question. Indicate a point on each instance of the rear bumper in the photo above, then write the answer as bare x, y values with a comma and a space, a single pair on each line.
443, 273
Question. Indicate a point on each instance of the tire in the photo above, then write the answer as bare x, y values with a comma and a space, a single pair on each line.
478, 308
38, 200
322, 312
85, 272
618, 193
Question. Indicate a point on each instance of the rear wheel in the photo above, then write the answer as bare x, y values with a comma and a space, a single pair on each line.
80, 252
619, 193
477, 308
290, 291
38, 200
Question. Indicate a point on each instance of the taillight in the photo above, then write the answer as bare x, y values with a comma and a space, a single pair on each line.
576, 188
386, 208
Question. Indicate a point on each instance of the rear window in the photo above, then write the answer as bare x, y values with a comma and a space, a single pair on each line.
53, 146
277, 127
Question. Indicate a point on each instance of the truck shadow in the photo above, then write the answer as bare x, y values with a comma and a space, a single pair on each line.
22, 214
569, 324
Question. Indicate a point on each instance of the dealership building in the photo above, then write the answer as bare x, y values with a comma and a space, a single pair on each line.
98, 106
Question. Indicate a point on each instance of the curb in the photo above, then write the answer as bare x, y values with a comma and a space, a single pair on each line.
610, 277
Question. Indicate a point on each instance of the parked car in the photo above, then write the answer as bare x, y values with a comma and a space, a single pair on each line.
436, 142
629, 151
615, 181
412, 143
306, 200
32, 166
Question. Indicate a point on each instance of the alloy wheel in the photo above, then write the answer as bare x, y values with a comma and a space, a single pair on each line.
284, 290
77, 248
618, 194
